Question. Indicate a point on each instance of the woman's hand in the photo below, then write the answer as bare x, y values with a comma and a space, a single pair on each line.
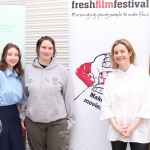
19, 107
23, 128
133, 127
122, 130
129, 132
68, 128
125, 132
23, 125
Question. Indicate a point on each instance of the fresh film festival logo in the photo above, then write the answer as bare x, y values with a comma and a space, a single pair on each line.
140, 9
115, 4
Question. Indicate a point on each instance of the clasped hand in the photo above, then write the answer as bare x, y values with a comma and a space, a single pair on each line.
124, 131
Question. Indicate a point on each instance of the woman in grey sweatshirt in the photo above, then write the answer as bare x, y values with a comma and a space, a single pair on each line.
47, 111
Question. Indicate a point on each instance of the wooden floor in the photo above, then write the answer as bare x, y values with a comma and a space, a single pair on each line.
27, 145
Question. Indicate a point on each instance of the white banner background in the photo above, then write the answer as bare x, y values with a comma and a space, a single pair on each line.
12, 27
90, 36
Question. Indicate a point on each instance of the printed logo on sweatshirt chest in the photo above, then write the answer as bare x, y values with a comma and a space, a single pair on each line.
30, 80
55, 80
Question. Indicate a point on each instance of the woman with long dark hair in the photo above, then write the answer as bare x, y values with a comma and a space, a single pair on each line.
10, 98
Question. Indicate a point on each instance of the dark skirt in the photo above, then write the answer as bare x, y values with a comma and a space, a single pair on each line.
11, 137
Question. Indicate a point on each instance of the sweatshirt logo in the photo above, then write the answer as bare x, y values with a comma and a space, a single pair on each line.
54, 80
30, 80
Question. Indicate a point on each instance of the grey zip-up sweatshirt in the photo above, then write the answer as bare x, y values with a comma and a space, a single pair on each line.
48, 93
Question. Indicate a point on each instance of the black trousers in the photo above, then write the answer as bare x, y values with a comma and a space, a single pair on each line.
119, 145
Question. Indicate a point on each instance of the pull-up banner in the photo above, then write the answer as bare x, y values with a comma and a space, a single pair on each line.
94, 25
12, 27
